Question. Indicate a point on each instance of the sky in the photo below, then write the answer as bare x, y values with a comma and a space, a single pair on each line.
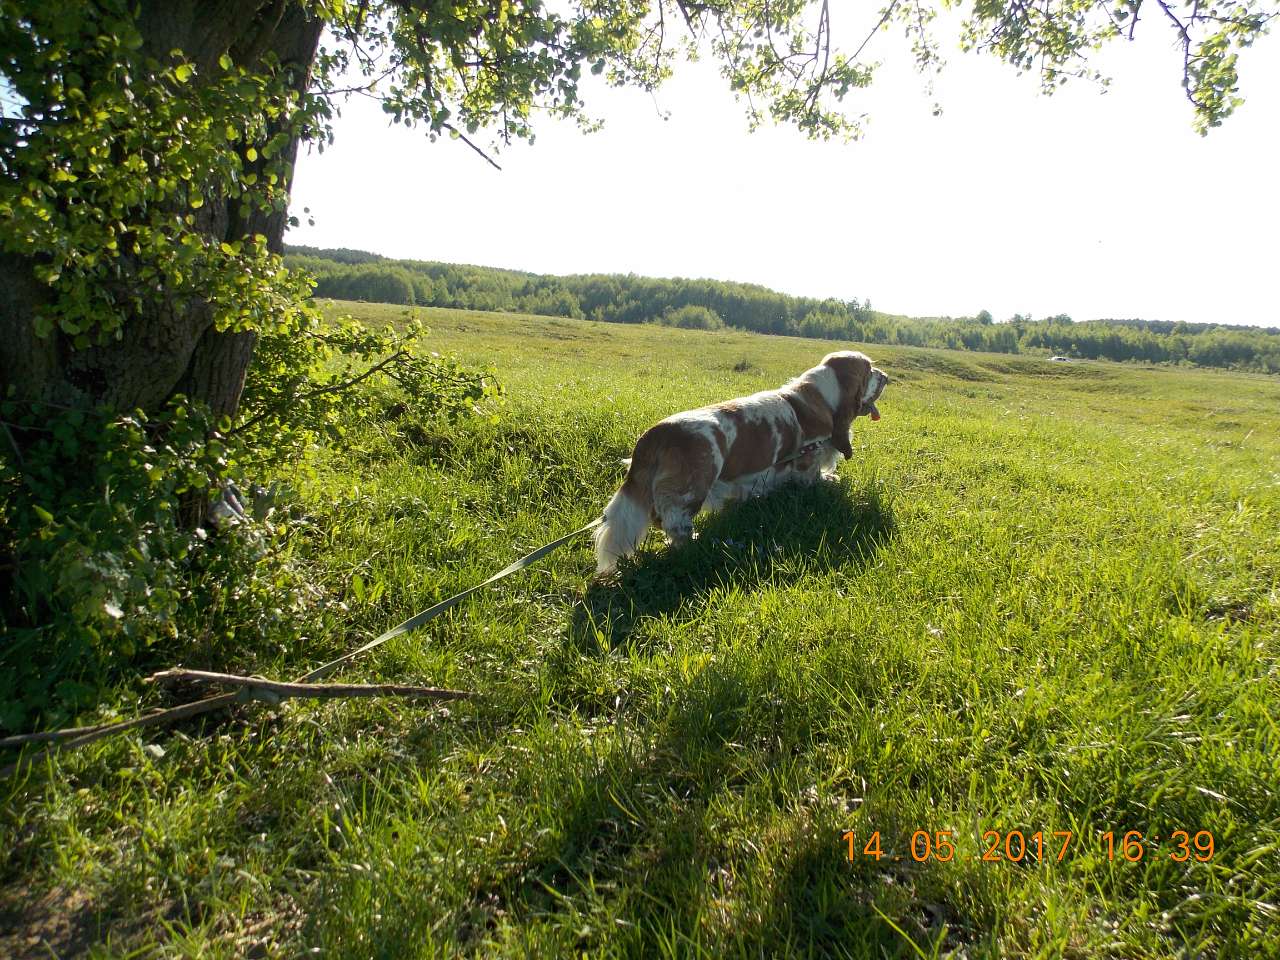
1085, 203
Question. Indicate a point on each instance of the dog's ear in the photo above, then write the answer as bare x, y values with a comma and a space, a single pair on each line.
840, 435
852, 371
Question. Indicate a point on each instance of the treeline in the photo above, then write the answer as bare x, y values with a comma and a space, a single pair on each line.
709, 304
615, 298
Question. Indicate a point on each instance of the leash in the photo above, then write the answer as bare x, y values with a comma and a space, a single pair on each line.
808, 448
417, 620
70, 739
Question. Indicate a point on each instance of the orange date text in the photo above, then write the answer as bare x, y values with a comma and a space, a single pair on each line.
1036, 846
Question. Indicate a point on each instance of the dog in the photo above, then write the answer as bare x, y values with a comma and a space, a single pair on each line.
705, 458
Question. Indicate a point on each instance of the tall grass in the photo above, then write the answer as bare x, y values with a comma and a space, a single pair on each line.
1042, 597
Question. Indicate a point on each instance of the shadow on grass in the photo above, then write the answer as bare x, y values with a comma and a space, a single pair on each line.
636, 860
822, 905
627, 853
793, 533
630, 826
689, 827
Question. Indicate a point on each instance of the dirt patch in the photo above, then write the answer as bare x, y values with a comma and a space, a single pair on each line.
67, 923
62, 923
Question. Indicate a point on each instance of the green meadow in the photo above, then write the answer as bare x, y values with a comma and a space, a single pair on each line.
856, 720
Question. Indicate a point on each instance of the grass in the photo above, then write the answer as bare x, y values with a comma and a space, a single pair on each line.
1042, 597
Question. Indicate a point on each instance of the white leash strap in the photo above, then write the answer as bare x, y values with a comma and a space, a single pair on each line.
417, 620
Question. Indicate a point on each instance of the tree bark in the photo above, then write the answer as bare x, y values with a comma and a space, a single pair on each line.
172, 349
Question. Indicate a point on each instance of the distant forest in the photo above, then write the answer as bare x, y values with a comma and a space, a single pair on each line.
710, 304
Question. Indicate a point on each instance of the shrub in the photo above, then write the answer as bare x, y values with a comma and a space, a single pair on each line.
113, 563
104, 566
691, 317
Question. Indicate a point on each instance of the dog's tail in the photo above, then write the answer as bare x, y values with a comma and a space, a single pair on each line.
626, 520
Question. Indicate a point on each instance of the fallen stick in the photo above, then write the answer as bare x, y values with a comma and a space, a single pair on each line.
75, 733
82, 736
281, 690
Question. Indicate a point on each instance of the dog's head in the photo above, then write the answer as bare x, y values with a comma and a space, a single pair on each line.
860, 387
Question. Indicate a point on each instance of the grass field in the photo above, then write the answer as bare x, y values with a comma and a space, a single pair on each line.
1042, 598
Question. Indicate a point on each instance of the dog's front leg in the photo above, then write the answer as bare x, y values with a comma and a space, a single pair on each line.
828, 463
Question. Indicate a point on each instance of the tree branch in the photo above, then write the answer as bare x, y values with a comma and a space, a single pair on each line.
463, 137
17, 451
71, 739
888, 12
331, 388
277, 690
251, 688
1184, 36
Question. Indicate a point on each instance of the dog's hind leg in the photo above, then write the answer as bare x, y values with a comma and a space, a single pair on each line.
680, 488
675, 516
626, 521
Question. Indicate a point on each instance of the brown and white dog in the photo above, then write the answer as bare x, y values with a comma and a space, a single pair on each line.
738, 449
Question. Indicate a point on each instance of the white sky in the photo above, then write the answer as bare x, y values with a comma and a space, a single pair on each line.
1095, 205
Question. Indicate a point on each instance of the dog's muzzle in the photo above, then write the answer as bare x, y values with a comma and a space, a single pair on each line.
875, 387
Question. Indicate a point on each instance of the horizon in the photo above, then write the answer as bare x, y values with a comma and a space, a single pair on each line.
1095, 205
294, 248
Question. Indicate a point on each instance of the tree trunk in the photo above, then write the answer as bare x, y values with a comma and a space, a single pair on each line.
172, 350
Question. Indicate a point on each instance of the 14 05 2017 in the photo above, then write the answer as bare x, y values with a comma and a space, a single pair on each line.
1018, 846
